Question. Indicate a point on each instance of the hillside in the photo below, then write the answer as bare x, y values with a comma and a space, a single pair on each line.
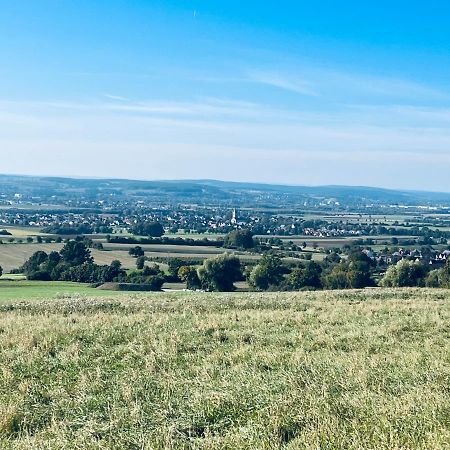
76, 191
338, 370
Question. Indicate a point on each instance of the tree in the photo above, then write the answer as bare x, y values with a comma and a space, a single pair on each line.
174, 267
269, 272
52, 262
220, 273
306, 277
112, 272
189, 275
140, 262
242, 239
404, 274
337, 278
333, 258
354, 273
360, 270
33, 264
439, 277
116, 264
136, 251
152, 229
1, 271
433, 279
76, 253
445, 275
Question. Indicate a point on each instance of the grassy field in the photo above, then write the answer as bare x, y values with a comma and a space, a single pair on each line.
342, 370
30, 290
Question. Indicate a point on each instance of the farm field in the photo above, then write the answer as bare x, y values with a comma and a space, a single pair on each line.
14, 255
21, 232
167, 248
337, 370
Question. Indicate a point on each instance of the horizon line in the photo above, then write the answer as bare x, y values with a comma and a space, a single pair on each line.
200, 180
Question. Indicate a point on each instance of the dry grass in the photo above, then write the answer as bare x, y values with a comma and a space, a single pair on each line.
342, 370
13, 256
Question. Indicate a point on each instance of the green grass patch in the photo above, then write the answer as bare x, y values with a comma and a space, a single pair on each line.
22, 289
315, 370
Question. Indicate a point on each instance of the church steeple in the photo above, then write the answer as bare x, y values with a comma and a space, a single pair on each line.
234, 217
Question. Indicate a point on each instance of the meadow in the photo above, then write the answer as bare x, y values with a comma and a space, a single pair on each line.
331, 370
14, 288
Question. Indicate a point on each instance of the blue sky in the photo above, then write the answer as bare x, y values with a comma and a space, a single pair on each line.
322, 92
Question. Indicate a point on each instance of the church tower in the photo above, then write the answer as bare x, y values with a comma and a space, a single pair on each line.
234, 217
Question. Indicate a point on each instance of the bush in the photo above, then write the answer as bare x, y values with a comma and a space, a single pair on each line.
40, 275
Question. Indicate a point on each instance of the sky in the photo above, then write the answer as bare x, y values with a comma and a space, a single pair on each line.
294, 92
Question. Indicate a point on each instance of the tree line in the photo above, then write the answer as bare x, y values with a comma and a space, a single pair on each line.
75, 263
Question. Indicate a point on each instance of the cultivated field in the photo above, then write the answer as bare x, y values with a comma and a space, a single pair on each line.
21, 232
12, 256
342, 370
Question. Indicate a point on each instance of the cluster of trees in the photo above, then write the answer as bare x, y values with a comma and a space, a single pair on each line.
415, 274
75, 263
220, 273
78, 229
69, 230
215, 274
354, 272
29, 240
153, 229
239, 239
205, 242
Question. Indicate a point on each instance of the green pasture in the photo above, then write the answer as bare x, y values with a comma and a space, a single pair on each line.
28, 290
346, 370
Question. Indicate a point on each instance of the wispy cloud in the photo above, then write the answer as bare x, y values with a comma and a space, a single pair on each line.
116, 97
293, 142
385, 86
281, 81
332, 84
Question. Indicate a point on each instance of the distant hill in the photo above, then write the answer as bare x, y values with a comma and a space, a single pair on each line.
57, 190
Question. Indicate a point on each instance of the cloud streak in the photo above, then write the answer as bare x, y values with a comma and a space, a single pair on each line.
278, 80
331, 83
